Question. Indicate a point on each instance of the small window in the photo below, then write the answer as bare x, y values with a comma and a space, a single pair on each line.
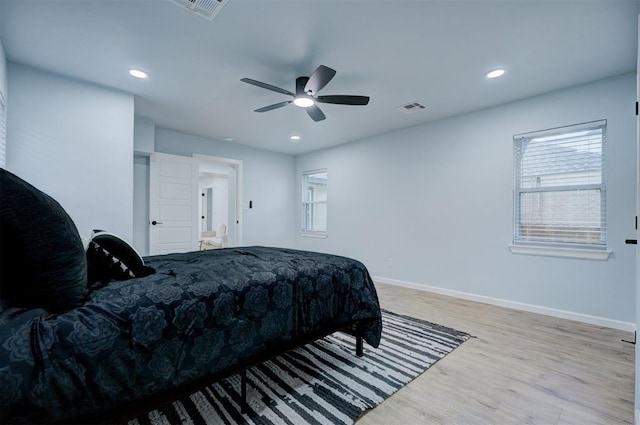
314, 202
560, 187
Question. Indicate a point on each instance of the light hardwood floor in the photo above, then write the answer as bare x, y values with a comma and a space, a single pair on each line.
520, 368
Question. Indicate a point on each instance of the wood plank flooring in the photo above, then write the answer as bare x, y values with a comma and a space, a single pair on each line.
520, 368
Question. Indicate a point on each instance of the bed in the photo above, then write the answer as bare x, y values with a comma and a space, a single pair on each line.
198, 317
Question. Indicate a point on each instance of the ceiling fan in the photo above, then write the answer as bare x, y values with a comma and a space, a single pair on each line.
306, 95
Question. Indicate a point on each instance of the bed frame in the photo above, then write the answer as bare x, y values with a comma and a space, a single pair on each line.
140, 407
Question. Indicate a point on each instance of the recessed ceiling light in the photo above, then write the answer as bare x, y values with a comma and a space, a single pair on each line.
228, 139
294, 137
138, 73
495, 73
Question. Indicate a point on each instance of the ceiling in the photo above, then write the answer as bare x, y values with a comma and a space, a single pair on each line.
396, 52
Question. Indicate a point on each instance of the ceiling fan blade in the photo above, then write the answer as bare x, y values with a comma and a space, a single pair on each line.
320, 77
266, 86
344, 99
274, 106
301, 85
315, 113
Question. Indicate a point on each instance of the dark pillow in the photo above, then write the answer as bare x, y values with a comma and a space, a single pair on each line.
42, 259
110, 257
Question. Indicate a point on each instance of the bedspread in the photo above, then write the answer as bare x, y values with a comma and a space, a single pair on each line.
201, 313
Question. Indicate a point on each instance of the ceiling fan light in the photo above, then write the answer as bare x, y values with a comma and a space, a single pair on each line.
303, 101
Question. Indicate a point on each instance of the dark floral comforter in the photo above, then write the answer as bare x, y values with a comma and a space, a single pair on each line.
201, 313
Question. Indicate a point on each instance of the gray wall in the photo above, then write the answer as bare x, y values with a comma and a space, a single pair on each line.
268, 181
437, 200
74, 141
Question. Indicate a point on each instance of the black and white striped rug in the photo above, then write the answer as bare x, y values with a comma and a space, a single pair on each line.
320, 383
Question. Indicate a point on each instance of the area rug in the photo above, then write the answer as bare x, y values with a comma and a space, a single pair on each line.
320, 383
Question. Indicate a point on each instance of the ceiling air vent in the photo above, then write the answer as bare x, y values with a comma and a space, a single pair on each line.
206, 8
411, 107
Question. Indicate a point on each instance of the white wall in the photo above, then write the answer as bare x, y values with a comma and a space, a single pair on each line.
74, 141
140, 204
3, 72
144, 145
268, 181
143, 135
4, 94
437, 200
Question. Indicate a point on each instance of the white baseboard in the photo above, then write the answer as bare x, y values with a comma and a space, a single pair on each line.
562, 314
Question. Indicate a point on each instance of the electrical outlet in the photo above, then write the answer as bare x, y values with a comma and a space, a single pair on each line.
389, 262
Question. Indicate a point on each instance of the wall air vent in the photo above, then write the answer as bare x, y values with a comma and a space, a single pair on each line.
206, 8
411, 107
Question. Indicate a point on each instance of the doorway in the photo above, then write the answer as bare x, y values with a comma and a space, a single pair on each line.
174, 222
220, 189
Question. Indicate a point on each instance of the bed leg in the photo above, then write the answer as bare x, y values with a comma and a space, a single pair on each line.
243, 391
359, 351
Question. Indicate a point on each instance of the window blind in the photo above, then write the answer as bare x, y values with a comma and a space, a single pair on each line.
314, 201
560, 186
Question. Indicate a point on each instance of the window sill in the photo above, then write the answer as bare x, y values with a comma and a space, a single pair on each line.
319, 235
584, 254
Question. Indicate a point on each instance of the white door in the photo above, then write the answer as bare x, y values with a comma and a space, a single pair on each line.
173, 204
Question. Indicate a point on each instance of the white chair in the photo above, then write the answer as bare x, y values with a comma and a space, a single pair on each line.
214, 240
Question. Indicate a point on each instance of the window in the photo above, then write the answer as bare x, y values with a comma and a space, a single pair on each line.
314, 203
560, 187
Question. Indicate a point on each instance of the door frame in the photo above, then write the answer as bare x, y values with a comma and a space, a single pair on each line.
237, 165
636, 247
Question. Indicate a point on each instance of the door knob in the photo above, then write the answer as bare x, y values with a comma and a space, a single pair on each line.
156, 222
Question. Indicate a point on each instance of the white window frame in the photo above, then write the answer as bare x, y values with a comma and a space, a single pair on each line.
592, 251
305, 231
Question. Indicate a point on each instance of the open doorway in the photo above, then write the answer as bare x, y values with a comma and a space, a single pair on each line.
213, 186
220, 193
